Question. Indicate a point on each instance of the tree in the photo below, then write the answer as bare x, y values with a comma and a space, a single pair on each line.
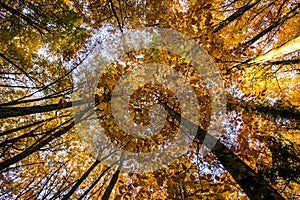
253, 45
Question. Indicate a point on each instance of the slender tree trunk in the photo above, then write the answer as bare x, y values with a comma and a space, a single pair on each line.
36, 146
236, 15
93, 184
111, 185
51, 96
279, 22
288, 47
288, 112
79, 181
33, 23
113, 181
284, 62
25, 126
47, 138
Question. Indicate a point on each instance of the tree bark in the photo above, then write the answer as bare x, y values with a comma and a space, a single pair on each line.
79, 181
36, 146
253, 185
276, 110
24, 127
279, 22
6, 112
236, 15
93, 184
288, 47
113, 181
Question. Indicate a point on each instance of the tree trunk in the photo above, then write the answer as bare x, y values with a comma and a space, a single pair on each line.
79, 181
237, 14
6, 112
252, 184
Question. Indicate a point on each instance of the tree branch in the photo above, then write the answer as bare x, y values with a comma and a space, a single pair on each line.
279, 22
79, 181
115, 14
237, 14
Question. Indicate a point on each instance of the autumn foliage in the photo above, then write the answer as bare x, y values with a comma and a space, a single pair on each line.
255, 47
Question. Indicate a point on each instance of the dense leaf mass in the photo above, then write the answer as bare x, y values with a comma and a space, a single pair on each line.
256, 48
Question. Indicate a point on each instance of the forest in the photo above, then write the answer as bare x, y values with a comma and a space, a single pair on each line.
160, 99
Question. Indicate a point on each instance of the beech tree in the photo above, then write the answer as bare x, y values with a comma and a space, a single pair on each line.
255, 46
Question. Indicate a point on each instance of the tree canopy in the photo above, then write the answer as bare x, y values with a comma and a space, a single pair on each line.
254, 45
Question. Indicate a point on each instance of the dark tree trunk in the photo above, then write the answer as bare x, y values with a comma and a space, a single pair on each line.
79, 181
6, 112
235, 15
253, 185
